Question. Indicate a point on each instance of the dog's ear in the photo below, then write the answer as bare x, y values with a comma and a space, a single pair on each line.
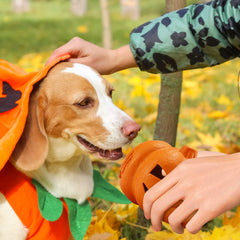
32, 148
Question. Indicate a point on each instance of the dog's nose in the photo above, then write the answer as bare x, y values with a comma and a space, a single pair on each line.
130, 129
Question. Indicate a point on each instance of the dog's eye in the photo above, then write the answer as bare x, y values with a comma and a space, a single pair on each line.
87, 102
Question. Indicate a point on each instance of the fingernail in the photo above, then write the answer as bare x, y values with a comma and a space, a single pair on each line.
146, 216
155, 229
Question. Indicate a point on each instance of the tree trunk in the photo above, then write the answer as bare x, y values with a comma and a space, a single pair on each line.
204, 1
78, 7
130, 8
169, 107
169, 103
106, 26
172, 5
170, 96
20, 6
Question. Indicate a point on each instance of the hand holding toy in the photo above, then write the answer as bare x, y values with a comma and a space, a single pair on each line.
146, 165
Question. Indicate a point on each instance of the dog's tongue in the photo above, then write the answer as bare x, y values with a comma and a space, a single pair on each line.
111, 154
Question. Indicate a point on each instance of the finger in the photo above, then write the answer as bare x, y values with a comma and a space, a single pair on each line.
156, 192
57, 53
181, 215
68, 48
82, 60
195, 224
161, 207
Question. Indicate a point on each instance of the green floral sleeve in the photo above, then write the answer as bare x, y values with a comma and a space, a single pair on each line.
197, 36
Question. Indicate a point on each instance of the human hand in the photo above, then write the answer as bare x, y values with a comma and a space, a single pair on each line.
207, 186
105, 61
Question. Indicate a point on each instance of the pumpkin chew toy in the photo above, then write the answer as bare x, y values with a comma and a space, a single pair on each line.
146, 165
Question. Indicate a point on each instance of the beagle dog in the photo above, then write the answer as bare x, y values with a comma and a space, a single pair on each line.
71, 116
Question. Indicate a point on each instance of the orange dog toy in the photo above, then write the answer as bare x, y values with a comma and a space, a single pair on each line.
146, 165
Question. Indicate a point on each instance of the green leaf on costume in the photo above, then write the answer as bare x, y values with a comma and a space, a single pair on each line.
104, 190
50, 207
79, 217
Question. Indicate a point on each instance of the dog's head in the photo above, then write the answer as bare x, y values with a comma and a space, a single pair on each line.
73, 104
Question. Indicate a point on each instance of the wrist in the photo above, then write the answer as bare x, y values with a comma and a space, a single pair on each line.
123, 58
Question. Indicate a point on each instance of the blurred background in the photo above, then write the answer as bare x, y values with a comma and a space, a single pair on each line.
209, 116
42, 25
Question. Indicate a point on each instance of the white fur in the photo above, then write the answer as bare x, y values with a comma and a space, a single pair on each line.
112, 117
11, 228
68, 169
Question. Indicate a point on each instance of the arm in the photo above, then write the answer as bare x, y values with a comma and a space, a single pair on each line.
105, 61
194, 37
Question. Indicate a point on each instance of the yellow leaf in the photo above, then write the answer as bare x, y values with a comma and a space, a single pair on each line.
33, 61
234, 220
211, 143
100, 236
224, 233
126, 212
218, 114
170, 235
105, 226
125, 72
150, 118
223, 100
82, 29
135, 81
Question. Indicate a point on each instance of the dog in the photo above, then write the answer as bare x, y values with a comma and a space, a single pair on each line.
71, 116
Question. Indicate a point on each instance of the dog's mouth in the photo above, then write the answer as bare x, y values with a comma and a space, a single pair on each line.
113, 154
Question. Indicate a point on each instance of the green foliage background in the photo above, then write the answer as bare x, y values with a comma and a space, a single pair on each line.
50, 24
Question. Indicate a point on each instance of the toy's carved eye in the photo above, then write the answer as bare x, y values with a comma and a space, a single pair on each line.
86, 102
158, 172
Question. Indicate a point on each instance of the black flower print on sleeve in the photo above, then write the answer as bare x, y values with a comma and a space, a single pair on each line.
212, 42
201, 21
228, 52
165, 63
166, 21
229, 29
235, 3
192, 30
196, 56
198, 11
140, 28
204, 32
178, 39
151, 37
147, 64
140, 52
219, 3
182, 12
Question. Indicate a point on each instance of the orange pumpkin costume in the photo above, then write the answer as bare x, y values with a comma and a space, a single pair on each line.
15, 89
22, 196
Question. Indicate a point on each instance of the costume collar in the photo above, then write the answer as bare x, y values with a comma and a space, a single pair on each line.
79, 216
